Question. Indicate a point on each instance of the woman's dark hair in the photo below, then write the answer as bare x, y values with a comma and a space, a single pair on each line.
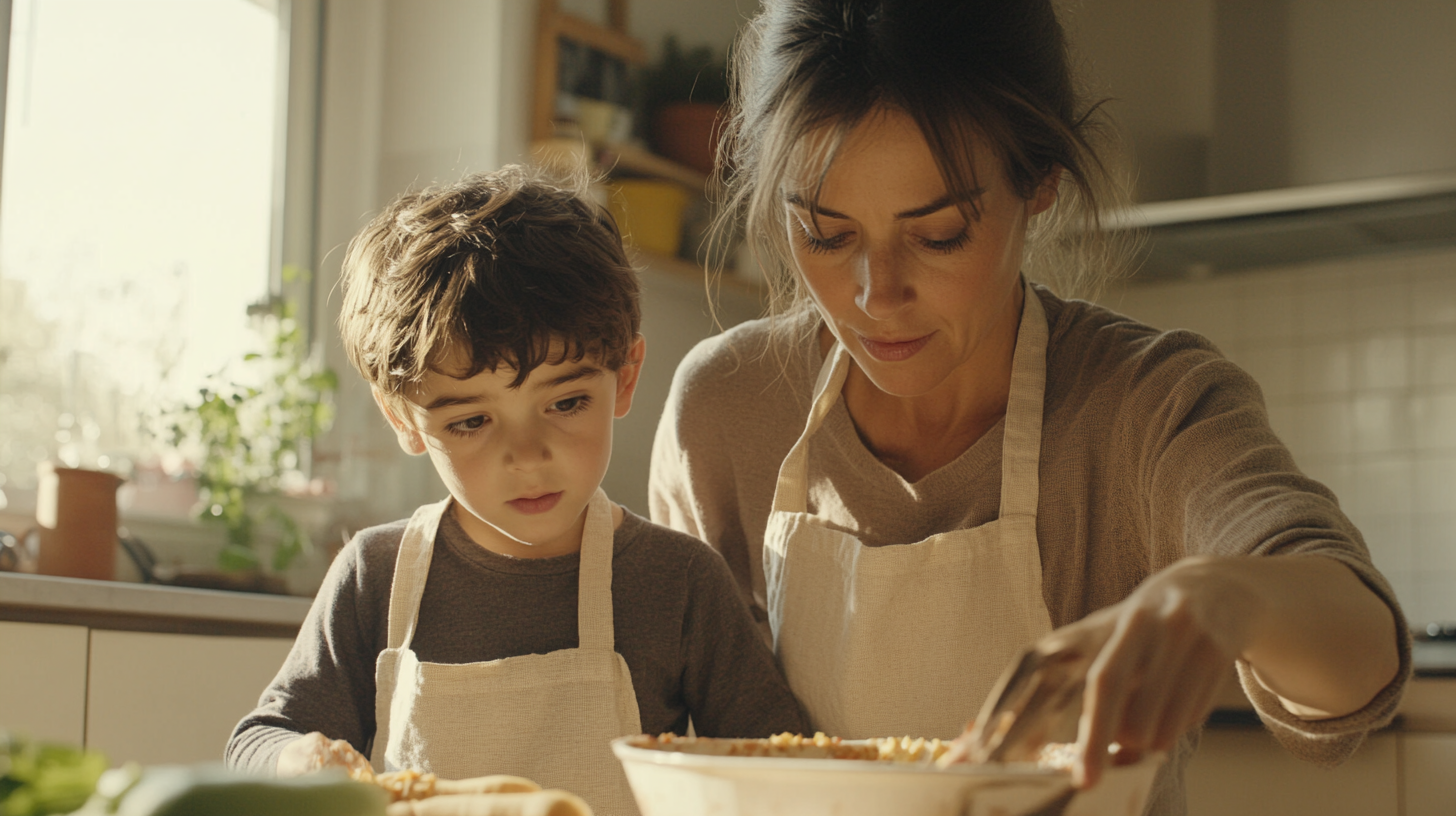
973, 74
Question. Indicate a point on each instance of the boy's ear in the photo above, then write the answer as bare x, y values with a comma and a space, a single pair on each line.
628, 376
1046, 193
409, 437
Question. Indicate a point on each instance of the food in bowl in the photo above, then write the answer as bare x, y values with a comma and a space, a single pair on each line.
784, 745
1059, 755
1056, 756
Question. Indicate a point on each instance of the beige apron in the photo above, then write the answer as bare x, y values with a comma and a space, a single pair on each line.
908, 639
547, 717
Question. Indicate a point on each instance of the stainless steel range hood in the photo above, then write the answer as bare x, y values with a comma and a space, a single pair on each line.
1273, 132
1197, 237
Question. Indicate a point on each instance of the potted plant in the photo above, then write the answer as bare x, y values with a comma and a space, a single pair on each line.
683, 97
250, 429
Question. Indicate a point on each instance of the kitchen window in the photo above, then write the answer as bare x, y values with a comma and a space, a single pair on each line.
152, 191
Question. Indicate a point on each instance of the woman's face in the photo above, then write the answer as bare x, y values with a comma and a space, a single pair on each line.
919, 294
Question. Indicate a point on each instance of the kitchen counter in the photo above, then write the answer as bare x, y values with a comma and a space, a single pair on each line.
1434, 658
120, 605
1429, 705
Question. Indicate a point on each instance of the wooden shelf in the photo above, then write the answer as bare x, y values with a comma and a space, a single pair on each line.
570, 154
567, 153
635, 160
606, 40
687, 270
553, 26
620, 160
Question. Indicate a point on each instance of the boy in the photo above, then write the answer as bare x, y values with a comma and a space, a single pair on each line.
525, 621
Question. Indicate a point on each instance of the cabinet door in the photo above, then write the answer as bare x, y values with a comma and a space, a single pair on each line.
1240, 771
174, 698
43, 682
1430, 761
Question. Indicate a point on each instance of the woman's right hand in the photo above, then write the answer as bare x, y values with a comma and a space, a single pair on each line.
1312, 632
1152, 664
314, 751
1158, 658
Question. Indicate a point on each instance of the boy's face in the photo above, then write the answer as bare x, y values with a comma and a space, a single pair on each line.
521, 463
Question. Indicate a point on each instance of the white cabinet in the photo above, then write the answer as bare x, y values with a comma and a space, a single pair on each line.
43, 681
161, 698
1240, 771
1430, 774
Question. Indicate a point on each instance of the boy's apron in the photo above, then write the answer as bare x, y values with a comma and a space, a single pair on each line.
547, 717
908, 639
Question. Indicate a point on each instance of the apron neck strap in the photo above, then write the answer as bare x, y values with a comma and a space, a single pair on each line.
594, 601
594, 584
1020, 448
792, 493
411, 567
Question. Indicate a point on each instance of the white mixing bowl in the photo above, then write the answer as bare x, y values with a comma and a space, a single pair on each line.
674, 783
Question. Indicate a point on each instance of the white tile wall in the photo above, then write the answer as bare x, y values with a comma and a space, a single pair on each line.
1357, 360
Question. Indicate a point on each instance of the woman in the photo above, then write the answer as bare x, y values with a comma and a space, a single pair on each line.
923, 463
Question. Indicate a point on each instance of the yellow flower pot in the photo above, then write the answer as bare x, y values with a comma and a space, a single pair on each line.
649, 213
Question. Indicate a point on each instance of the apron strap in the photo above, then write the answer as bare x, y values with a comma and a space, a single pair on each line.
594, 604
411, 567
594, 588
792, 493
1021, 447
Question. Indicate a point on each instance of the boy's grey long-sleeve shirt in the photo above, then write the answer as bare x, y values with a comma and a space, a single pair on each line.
687, 637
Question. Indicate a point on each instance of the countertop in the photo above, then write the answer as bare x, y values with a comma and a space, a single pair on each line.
148, 607
1429, 705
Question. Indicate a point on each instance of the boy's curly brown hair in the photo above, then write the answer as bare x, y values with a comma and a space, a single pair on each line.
513, 267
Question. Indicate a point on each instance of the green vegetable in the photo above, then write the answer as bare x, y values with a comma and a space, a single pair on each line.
39, 778
213, 790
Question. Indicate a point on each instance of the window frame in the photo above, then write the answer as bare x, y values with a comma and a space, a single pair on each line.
296, 146
294, 201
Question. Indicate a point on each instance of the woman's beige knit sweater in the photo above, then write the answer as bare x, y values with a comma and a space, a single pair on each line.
1154, 447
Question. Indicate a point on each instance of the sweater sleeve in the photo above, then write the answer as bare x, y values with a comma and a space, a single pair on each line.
670, 491
326, 683
733, 685
692, 484
1216, 480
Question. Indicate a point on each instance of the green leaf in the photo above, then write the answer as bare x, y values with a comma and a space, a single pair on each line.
46, 778
237, 558
246, 428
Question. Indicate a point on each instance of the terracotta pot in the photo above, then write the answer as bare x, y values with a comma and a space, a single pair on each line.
687, 133
76, 513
